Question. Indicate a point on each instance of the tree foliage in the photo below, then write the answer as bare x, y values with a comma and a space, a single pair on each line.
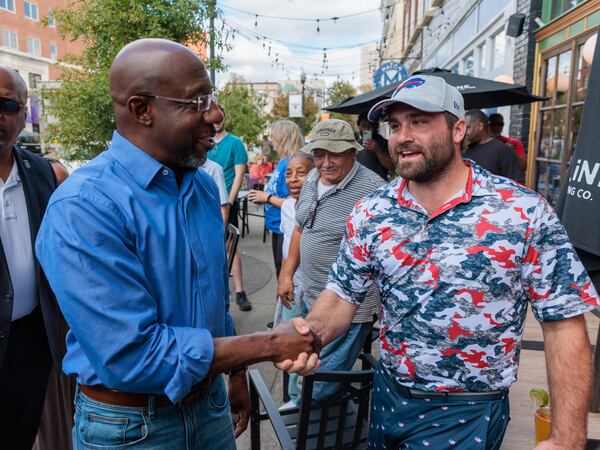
281, 110
244, 111
79, 111
338, 92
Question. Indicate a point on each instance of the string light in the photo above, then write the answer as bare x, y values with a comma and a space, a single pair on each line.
261, 42
305, 19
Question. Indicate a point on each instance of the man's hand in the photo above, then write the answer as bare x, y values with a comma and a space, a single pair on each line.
304, 363
285, 290
551, 444
258, 197
371, 145
239, 399
292, 340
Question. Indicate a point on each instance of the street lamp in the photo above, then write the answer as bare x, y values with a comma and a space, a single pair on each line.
302, 82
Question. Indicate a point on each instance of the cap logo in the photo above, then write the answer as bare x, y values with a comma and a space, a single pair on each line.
409, 84
456, 106
326, 131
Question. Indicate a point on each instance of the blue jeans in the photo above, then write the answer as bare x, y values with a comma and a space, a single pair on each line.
341, 354
203, 424
298, 309
399, 420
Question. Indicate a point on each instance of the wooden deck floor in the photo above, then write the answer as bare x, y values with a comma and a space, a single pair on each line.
532, 373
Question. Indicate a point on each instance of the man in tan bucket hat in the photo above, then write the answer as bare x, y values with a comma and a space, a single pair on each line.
330, 192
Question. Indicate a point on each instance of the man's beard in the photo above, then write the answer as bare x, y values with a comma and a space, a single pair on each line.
434, 161
191, 158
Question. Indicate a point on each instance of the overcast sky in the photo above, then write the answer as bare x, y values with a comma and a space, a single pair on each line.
250, 59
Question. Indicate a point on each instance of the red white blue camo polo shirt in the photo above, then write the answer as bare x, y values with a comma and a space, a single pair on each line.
455, 285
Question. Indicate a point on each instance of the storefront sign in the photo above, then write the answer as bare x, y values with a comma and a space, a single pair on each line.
388, 73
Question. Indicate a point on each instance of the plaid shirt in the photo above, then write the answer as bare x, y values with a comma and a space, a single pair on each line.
455, 285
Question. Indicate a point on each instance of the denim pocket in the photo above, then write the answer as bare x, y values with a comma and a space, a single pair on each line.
116, 429
217, 394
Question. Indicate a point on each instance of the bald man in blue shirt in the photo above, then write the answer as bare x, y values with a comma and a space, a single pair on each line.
133, 246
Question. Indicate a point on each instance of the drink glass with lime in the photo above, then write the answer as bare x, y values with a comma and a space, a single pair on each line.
543, 416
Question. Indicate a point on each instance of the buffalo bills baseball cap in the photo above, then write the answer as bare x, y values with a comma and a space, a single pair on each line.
425, 93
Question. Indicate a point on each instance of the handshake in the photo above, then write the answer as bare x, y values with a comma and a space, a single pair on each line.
297, 347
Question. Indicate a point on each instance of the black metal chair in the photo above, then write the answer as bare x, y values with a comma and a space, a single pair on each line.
232, 236
340, 423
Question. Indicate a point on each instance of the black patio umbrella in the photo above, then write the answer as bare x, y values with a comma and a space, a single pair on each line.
477, 92
579, 203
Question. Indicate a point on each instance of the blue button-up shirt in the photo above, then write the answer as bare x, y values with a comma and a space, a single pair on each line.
138, 267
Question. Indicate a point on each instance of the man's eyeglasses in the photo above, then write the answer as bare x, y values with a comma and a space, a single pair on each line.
9, 106
202, 103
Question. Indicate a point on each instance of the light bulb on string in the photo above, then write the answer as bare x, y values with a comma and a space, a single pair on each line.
256, 20
318, 29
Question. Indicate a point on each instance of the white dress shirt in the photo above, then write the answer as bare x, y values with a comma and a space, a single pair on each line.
16, 241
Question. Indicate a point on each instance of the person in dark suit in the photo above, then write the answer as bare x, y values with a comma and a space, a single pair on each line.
30, 335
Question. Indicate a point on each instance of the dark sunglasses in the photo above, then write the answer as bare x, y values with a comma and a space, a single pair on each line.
312, 215
9, 106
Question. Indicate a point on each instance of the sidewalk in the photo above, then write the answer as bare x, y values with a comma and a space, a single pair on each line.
260, 283
257, 260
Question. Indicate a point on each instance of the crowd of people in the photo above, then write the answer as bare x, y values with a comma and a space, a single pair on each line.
119, 276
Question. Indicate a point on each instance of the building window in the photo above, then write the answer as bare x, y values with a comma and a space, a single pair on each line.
51, 20
482, 57
8, 5
31, 10
499, 49
551, 9
469, 65
34, 46
465, 32
487, 10
34, 80
565, 76
444, 53
53, 51
9, 39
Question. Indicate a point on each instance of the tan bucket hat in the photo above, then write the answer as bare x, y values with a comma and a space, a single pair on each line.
333, 135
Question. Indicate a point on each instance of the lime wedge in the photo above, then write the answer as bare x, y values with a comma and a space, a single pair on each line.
539, 397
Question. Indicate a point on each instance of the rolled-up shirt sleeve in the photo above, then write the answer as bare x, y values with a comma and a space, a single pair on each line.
554, 278
351, 274
89, 257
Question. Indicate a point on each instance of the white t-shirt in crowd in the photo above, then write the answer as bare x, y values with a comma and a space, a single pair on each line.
288, 223
322, 189
217, 174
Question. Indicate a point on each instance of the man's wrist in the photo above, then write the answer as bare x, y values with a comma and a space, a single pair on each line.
236, 371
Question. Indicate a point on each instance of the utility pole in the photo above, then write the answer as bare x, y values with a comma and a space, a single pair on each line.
212, 12
303, 82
